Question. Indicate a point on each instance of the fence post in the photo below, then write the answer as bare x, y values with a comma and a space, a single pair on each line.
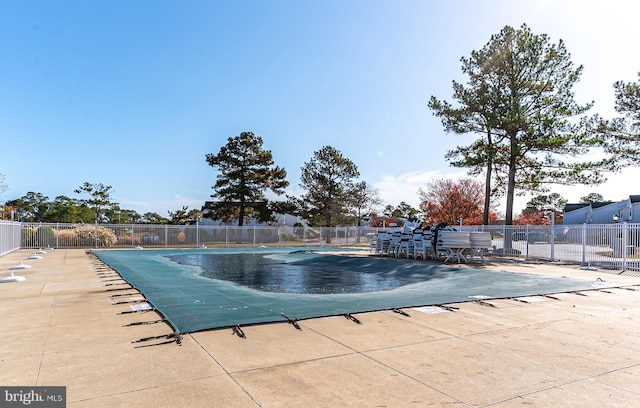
504, 239
584, 243
625, 243
526, 240
553, 234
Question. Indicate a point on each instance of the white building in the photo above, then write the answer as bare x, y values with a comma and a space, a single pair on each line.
603, 213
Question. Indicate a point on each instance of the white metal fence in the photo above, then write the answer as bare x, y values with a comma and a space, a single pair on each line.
612, 246
604, 245
10, 233
39, 235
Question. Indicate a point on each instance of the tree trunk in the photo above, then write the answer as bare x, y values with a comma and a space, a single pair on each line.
511, 187
240, 222
487, 193
487, 181
327, 222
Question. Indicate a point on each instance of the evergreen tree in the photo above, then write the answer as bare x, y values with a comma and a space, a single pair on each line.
403, 210
364, 199
99, 197
521, 91
153, 218
247, 171
327, 179
31, 207
66, 209
179, 217
542, 204
593, 198
621, 135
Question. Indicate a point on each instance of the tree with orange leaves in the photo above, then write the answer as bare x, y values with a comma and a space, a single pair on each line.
532, 218
449, 201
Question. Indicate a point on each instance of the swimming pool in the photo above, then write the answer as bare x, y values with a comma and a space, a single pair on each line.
198, 289
292, 272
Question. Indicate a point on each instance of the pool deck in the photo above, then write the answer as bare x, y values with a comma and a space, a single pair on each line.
61, 327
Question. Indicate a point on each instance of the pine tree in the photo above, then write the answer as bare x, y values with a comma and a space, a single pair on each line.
327, 179
247, 171
520, 99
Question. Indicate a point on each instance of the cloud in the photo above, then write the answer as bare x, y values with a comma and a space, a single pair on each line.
618, 187
395, 189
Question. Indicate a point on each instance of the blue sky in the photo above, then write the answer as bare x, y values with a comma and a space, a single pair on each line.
134, 94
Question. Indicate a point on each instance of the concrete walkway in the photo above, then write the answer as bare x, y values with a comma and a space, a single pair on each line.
63, 326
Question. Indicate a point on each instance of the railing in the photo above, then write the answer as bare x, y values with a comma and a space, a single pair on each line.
40, 235
10, 233
612, 246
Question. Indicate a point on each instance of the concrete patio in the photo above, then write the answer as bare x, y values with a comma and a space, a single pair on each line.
61, 326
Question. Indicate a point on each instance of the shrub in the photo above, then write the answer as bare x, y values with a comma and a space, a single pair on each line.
137, 239
86, 236
67, 237
45, 236
124, 239
312, 233
28, 237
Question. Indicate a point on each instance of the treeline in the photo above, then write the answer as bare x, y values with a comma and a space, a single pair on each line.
36, 207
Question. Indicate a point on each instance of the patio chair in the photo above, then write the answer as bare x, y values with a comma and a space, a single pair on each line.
424, 246
415, 239
394, 241
382, 242
403, 247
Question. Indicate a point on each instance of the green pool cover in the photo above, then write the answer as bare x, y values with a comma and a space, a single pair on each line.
200, 289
